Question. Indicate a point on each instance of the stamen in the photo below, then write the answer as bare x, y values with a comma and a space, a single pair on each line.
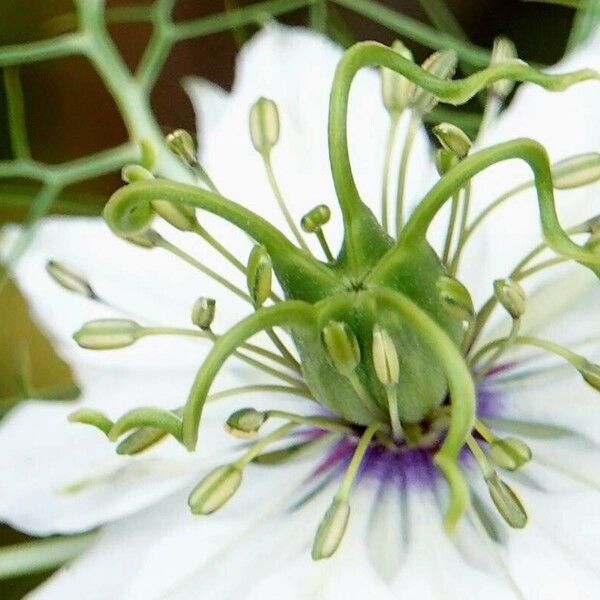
413, 128
313, 221
264, 131
333, 525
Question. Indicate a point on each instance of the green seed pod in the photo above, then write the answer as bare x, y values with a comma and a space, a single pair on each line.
331, 530
395, 88
215, 490
181, 143
341, 346
453, 138
455, 298
506, 501
576, 171
314, 219
503, 51
259, 275
440, 64
445, 160
510, 454
591, 374
512, 297
385, 357
180, 216
69, 280
133, 173
245, 423
108, 334
203, 312
264, 125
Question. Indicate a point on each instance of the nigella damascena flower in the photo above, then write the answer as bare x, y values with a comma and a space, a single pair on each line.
420, 409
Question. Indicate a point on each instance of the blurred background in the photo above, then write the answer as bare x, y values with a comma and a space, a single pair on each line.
69, 113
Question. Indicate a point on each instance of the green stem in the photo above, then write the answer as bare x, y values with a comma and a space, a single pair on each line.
129, 211
325, 423
16, 113
357, 458
281, 202
501, 349
42, 555
290, 313
389, 147
324, 245
450, 230
415, 123
392, 399
257, 448
461, 391
56, 47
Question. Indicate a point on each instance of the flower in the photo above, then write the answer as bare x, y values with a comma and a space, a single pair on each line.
62, 478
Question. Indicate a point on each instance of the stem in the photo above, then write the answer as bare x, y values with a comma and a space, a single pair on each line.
389, 147
501, 349
281, 202
450, 231
290, 312
31, 52
42, 555
361, 449
16, 113
461, 391
466, 203
392, 399
324, 245
415, 122
325, 423
257, 448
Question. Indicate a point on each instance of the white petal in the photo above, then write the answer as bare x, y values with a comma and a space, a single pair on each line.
565, 124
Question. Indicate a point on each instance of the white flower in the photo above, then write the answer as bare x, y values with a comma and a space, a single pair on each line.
57, 477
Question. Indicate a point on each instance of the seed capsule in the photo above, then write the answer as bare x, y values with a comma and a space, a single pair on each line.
331, 530
108, 334
264, 125
576, 171
510, 454
69, 280
259, 275
506, 501
341, 346
313, 220
441, 65
385, 357
395, 88
455, 298
215, 490
203, 312
453, 138
512, 297
245, 422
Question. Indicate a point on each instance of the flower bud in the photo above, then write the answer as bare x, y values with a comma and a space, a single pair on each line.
591, 374
453, 138
108, 334
506, 501
445, 160
439, 64
512, 297
215, 490
180, 216
264, 125
203, 312
69, 280
181, 143
510, 454
455, 298
133, 173
576, 171
395, 88
504, 50
245, 423
341, 346
385, 357
259, 275
331, 530
314, 219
